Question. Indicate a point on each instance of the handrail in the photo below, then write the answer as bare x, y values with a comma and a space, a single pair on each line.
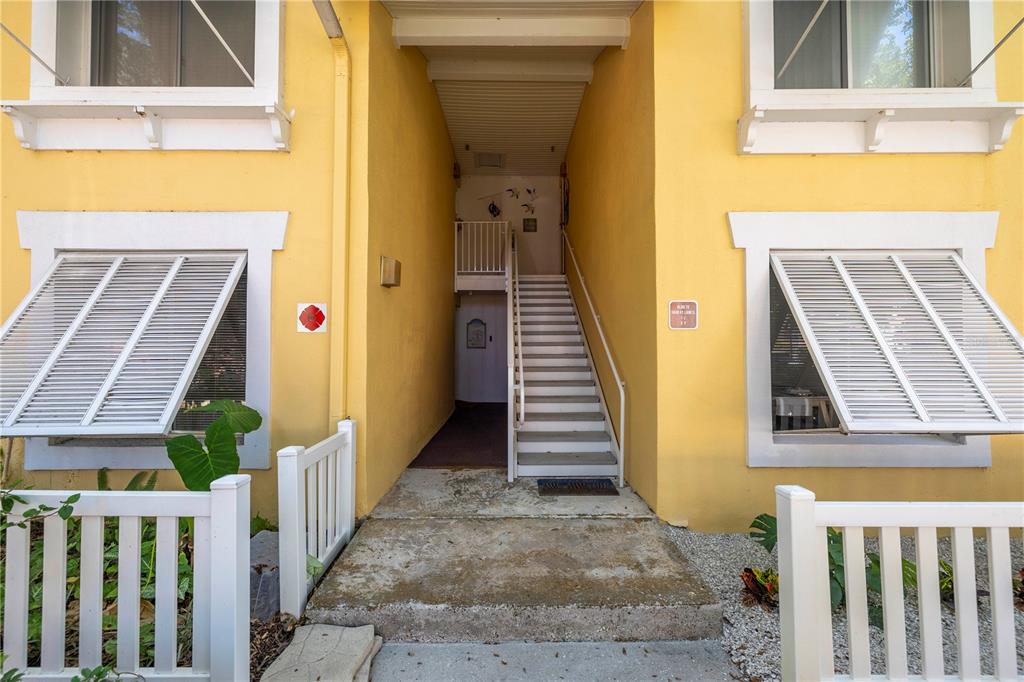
611, 361
521, 384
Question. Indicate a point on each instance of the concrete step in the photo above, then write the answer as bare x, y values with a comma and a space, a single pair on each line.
562, 441
561, 403
532, 326
501, 579
564, 318
549, 338
555, 360
541, 297
533, 309
542, 278
561, 388
562, 459
563, 421
552, 347
556, 373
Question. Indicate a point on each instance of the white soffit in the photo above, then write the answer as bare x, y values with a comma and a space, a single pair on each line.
508, 22
529, 122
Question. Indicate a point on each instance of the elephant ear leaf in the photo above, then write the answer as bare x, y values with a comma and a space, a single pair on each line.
200, 465
239, 418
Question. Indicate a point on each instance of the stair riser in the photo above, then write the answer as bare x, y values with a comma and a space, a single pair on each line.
546, 300
560, 327
536, 404
554, 361
543, 286
567, 470
549, 309
561, 390
583, 374
531, 337
527, 318
529, 425
554, 350
559, 446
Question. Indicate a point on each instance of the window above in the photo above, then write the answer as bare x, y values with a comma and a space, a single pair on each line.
154, 74
109, 344
856, 76
154, 43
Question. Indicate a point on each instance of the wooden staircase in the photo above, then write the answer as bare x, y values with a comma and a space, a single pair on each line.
566, 431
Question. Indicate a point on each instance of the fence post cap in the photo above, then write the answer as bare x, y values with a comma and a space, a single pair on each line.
290, 451
793, 492
345, 425
231, 482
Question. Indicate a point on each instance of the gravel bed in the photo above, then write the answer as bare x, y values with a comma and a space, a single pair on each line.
751, 635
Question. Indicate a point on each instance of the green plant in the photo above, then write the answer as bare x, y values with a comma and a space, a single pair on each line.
765, 533
259, 524
201, 463
760, 587
9, 675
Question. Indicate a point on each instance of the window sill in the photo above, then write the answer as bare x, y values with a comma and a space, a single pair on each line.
849, 128
68, 125
911, 451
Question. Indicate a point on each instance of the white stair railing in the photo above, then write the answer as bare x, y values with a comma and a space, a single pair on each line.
316, 498
220, 573
480, 247
620, 433
805, 604
514, 343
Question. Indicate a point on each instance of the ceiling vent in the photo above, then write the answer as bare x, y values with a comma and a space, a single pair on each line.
489, 160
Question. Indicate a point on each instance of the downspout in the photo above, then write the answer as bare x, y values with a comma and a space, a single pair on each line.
338, 330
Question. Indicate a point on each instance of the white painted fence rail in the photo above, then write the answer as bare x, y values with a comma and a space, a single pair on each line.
316, 497
220, 609
805, 607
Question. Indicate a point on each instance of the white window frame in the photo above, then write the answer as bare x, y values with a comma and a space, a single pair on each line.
259, 233
864, 120
106, 117
759, 233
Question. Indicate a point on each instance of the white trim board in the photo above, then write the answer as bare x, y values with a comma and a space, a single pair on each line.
259, 233
865, 120
758, 233
84, 117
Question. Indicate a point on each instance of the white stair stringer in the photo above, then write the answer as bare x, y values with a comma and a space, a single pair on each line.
567, 431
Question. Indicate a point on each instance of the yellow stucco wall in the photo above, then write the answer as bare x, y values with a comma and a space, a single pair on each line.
298, 181
610, 164
409, 330
399, 380
703, 479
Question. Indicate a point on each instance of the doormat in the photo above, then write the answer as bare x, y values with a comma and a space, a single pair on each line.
548, 487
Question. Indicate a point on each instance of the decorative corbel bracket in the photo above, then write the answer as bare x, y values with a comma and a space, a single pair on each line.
1000, 127
746, 129
280, 126
152, 127
874, 129
24, 126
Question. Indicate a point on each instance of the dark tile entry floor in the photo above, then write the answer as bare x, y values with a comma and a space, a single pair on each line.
474, 436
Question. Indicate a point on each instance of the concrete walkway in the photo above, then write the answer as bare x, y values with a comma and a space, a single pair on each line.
536, 662
462, 556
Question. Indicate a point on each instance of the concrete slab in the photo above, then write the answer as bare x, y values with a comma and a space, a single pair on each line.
323, 652
489, 580
485, 493
571, 661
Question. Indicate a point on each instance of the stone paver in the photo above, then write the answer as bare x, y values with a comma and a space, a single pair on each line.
323, 652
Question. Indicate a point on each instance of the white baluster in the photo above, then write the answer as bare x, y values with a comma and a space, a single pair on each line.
856, 603
965, 593
893, 615
929, 606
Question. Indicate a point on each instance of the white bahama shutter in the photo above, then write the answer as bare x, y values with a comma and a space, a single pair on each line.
906, 342
107, 344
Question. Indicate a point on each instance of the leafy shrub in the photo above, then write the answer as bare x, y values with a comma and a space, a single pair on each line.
760, 587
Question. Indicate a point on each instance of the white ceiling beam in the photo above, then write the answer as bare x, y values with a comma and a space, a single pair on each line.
446, 69
453, 30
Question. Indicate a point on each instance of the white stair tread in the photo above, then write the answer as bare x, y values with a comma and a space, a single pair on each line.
560, 398
564, 416
552, 343
565, 458
562, 436
554, 356
570, 368
557, 383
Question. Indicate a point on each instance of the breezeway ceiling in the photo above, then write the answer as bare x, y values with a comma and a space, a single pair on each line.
510, 75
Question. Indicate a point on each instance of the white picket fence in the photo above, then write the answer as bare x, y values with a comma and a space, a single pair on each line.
806, 615
220, 608
480, 247
316, 499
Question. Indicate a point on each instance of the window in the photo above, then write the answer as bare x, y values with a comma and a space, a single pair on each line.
152, 74
833, 371
108, 344
206, 338
150, 43
871, 44
873, 76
